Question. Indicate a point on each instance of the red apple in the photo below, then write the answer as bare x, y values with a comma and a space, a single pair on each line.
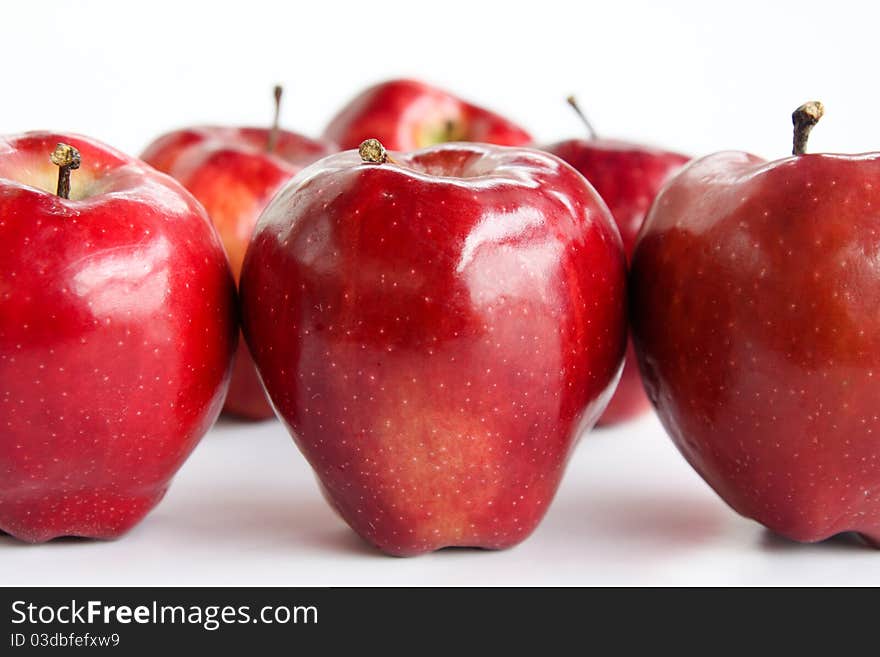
436, 330
627, 177
755, 289
234, 172
117, 328
407, 115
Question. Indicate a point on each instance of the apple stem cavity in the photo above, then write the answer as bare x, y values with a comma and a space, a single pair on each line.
373, 152
804, 118
272, 141
571, 100
66, 158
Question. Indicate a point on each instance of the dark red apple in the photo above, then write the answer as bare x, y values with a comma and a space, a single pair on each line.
234, 172
117, 328
627, 177
755, 296
407, 115
436, 330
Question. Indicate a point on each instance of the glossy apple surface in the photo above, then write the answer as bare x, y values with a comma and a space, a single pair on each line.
117, 328
233, 174
435, 333
755, 289
407, 115
627, 177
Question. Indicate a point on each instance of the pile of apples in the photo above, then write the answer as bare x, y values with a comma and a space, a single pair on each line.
437, 309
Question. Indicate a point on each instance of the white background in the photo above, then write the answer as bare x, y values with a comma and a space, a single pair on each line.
693, 76
697, 76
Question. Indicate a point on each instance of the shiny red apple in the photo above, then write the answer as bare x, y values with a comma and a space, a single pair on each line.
407, 115
234, 172
755, 296
117, 328
627, 177
436, 330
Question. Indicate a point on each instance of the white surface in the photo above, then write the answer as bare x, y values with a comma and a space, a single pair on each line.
245, 510
690, 75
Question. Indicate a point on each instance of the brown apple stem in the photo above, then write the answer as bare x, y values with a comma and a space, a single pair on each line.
450, 130
804, 118
66, 158
372, 151
571, 100
272, 141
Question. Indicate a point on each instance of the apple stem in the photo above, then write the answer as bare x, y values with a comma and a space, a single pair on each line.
372, 151
272, 141
804, 118
571, 100
66, 158
450, 130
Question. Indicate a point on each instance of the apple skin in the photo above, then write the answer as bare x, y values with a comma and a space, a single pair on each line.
117, 328
755, 290
436, 333
627, 177
232, 174
406, 115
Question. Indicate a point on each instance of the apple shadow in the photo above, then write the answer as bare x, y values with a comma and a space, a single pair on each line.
664, 520
9, 541
843, 542
275, 521
237, 422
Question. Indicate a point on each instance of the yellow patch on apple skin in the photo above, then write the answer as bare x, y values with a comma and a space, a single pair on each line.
432, 121
438, 470
452, 129
440, 459
28, 169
